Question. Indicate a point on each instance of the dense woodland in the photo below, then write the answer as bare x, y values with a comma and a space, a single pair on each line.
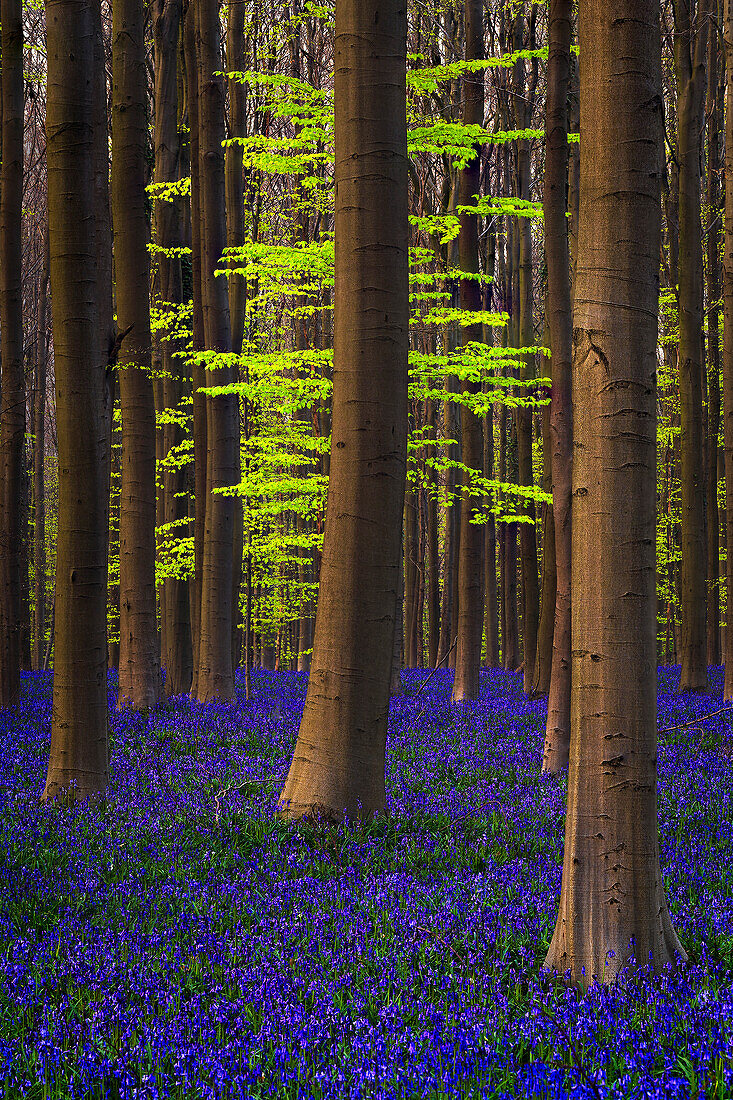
365, 341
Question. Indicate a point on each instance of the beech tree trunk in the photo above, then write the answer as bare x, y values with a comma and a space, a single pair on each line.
12, 393
215, 678
200, 448
690, 47
548, 591
713, 257
559, 317
140, 682
433, 560
471, 537
39, 454
235, 228
81, 292
176, 638
728, 342
612, 904
523, 98
339, 760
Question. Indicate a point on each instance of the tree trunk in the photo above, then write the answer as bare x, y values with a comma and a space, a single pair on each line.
177, 643
527, 531
12, 394
559, 316
433, 563
612, 903
339, 760
713, 255
234, 194
728, 343
410, 577
215, 674
548, 591
690, 50
81, 292
198, 371
39, 453
395, 685
471, 536
140, 683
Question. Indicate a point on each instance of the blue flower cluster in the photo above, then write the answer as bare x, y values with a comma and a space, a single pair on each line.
182, 941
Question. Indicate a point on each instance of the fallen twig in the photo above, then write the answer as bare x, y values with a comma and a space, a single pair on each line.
694, 721
241, 787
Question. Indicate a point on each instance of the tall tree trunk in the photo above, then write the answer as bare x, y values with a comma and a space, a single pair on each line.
559, 316
39, 453
25, 592
689, 52
140, 683
713, 256
527, 531
200, 448
471, 536
410, 578
81, 291
395, 686
12, 393
234, 193
215, 674
548, 592
728, 343
612, 903
339, 760
176, 637
433, 563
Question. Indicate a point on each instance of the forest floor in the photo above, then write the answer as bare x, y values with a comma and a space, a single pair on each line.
184, 942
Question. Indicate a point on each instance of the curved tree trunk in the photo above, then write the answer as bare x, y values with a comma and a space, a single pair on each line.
612, 903
140, 682
338, 765
471, 537
12, 395
81, 291
559, 316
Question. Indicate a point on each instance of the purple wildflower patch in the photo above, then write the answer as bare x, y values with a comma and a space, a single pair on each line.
184, 942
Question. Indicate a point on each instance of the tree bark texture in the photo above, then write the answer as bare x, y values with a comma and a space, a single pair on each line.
78, 763
12, 393
728, 342
612, 905
339, 760
197, 339
548, 590
713, 113
559, 316
215, 678
471, 536
177, 650
527, 530
140, 682
39, 454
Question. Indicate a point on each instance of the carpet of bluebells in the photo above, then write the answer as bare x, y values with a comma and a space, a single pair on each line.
183, 941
